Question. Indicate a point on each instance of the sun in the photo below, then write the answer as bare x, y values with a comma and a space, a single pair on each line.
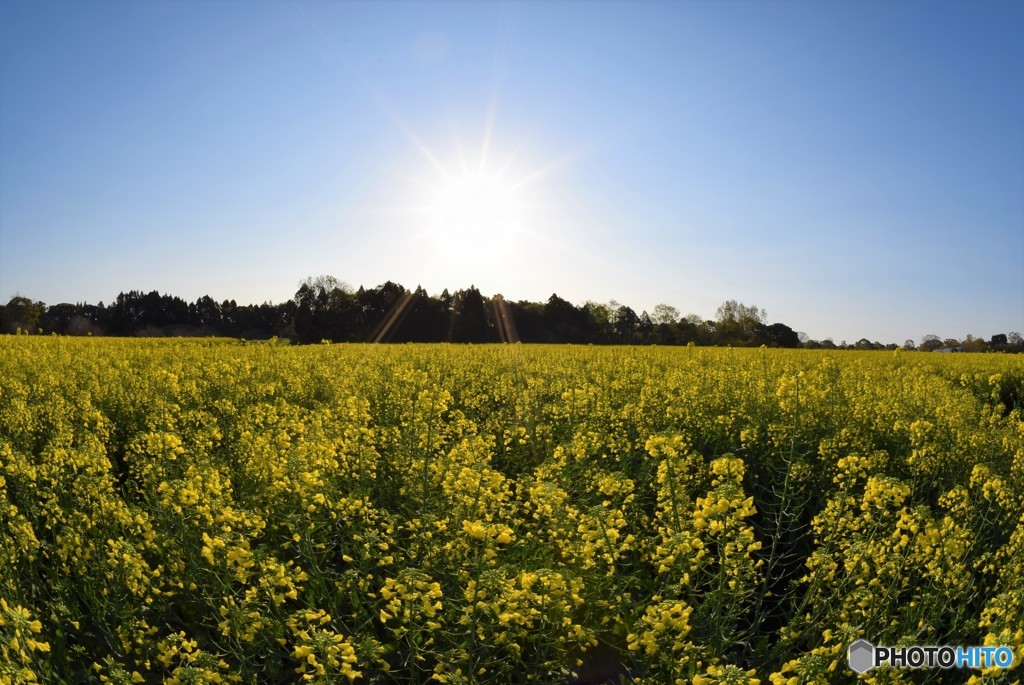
474, 214
481, 213
472, 208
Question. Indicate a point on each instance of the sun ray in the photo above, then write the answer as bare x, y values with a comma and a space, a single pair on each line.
392, 210
415, 180
391, 319
321, 42
548, 169
582, 151
408, 132
460, 150
577, 251
498, 74
326, 46
488, 132
507, 332
510, 160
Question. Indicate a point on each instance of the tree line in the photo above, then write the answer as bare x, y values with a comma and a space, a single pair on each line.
325, 309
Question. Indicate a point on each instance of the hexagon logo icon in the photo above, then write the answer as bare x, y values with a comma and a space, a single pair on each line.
861, 656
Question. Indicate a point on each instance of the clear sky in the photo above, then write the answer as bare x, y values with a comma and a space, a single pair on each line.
855, 168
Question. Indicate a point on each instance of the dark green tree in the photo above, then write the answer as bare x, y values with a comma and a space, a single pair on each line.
22, 312
627, 324
470, 321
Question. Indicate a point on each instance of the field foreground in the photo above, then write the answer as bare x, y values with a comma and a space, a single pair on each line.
208, 511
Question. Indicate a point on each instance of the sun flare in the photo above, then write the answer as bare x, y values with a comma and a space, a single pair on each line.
471, 212
477, 209
478, 212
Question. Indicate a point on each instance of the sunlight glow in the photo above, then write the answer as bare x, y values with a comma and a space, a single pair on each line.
474, 212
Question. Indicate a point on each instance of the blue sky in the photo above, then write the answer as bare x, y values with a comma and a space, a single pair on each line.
857, 169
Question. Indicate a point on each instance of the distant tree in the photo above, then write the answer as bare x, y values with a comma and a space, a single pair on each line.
626, 323
931, 342
471, 321
909, 344
325, 309
600, 312
1014, 339
57, 318
500, 319
228, 314
781, 335
664, 313
998, 340
563, 322
613, 309
260, 322
381, 310
21, 312
325, 283
123, 312
445, 300
732, 311
529, 320
645, 326
309, 324
737, 323
426, 322
207, 312
950, 342
665, 334
973, 344
600, 318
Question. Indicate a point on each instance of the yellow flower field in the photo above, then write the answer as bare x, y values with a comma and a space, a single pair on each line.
209, 511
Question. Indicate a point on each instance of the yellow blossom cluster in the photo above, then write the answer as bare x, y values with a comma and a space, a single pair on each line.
19, 644
205, 511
